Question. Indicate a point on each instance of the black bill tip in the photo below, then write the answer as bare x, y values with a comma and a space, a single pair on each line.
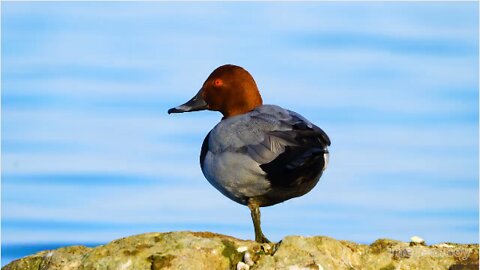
175, 110
197, 103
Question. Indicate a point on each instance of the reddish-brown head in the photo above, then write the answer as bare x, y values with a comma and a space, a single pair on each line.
230, 90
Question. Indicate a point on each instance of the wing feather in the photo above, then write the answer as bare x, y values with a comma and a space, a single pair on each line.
294, 148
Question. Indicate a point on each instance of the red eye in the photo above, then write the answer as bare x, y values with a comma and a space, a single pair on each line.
218, 83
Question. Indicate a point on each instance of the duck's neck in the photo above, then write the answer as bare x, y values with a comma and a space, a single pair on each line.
242, 106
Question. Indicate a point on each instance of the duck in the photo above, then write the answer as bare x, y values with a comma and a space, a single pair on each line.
258, 155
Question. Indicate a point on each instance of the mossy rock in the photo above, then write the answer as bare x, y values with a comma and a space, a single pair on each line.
206, 250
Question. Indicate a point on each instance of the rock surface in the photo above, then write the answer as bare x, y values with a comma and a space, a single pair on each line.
205, 250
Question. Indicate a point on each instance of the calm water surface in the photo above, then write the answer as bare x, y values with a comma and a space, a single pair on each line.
90, 155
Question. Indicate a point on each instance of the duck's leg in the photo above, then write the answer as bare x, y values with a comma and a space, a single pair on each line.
255, 212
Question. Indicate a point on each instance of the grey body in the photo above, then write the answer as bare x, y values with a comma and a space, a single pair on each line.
246, 156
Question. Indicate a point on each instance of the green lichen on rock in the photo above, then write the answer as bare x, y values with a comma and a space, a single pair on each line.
62, 258
29, 263
230, 252
205, 250
382, 245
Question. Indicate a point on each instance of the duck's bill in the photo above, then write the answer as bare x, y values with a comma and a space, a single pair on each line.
197, 103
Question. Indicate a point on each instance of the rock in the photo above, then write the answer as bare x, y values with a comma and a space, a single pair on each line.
205, 250
247, 258
242, 266
416, 240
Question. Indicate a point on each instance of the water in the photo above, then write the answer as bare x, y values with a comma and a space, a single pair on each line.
90, 155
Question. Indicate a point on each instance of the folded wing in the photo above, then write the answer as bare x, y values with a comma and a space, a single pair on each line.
293, 152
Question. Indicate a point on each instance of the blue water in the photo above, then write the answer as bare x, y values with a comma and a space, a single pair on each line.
89, 153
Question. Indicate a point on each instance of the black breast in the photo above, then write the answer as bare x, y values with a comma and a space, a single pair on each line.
204, 150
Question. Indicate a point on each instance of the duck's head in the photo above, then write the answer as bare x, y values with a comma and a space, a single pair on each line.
230, 90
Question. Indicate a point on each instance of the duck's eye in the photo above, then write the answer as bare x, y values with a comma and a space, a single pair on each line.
217, 83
